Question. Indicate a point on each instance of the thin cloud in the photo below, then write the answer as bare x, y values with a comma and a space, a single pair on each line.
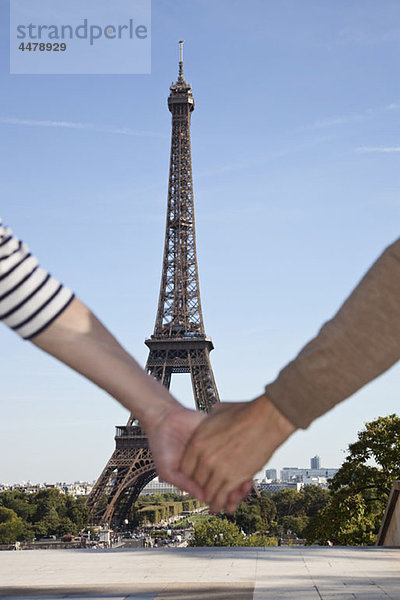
379, 149
340, 120
337, 120
368, 37
80, 126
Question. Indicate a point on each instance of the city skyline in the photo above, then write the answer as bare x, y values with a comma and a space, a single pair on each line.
296, 187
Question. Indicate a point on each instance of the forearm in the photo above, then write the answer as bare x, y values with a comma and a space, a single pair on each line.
78, 339
38, 307
358, 344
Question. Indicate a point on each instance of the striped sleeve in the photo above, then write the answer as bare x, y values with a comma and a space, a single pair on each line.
30, 298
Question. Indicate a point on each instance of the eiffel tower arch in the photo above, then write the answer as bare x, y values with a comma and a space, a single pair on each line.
179, 343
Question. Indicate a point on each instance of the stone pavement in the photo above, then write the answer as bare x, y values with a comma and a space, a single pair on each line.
202, 573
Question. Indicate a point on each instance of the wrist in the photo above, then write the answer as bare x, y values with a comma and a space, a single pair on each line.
150, 402
151, 417
273, 418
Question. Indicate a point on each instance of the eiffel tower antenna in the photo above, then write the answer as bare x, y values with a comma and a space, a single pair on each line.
180, 76
179, 343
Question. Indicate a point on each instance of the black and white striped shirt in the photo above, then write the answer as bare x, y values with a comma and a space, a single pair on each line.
30, 298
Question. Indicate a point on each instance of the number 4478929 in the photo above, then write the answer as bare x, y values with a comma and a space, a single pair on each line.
42, 47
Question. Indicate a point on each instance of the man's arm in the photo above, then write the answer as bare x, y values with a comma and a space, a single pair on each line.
358, 344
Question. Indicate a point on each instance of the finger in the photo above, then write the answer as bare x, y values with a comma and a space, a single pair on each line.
187, 484
246, 486
203, 472
190, 459
212, 486
220, 500
222, 407
236, 496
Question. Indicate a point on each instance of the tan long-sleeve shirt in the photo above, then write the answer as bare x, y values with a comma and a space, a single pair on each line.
358, 344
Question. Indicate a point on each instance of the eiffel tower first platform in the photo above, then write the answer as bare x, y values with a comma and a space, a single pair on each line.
179, 343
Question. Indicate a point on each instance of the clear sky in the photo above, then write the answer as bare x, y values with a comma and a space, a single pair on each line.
296, 151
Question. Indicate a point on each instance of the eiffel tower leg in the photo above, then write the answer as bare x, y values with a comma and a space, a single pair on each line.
130, 496
127, 471
204, 388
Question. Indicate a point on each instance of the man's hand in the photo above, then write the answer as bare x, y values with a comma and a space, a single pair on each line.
230, 446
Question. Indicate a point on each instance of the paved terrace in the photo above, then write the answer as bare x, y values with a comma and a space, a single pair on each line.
203, 573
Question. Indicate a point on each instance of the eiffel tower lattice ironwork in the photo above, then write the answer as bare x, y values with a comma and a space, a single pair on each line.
179, 343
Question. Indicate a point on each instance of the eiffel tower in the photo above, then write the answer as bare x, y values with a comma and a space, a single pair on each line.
179, 343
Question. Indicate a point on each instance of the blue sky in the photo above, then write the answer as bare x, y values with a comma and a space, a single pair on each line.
296, 150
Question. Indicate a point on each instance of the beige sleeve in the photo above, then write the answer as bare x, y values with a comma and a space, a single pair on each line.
358, 344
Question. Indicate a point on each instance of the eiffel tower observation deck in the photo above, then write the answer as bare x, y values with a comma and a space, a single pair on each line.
179, 343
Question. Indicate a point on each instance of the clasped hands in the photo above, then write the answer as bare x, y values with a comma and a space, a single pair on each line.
215, 457
212, 457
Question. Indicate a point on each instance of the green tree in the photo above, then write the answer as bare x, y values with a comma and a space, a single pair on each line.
78, 514
288, 502
216, 531
267, 509
314, 499
344, 521
248, 517
19, 502
49, 512
360, 489
257, 539
291, 525
11, 526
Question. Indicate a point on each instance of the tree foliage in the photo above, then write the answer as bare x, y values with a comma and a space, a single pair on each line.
220, 531
216, 531
48, 512
258, 521
360, 489
11, 526
289, 502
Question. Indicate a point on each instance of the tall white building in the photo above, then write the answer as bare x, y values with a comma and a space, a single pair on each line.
271, 474
315, 462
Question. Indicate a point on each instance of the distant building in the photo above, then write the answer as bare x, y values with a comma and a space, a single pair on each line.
264, 485
160, 487
295, 474
271, 474
315, 462
321, 482
79, 488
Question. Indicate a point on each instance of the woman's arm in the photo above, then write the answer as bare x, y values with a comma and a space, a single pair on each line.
81, 341
39, 308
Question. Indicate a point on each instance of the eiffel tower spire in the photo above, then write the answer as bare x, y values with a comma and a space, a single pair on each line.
181, 77
179, 343
179, 307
